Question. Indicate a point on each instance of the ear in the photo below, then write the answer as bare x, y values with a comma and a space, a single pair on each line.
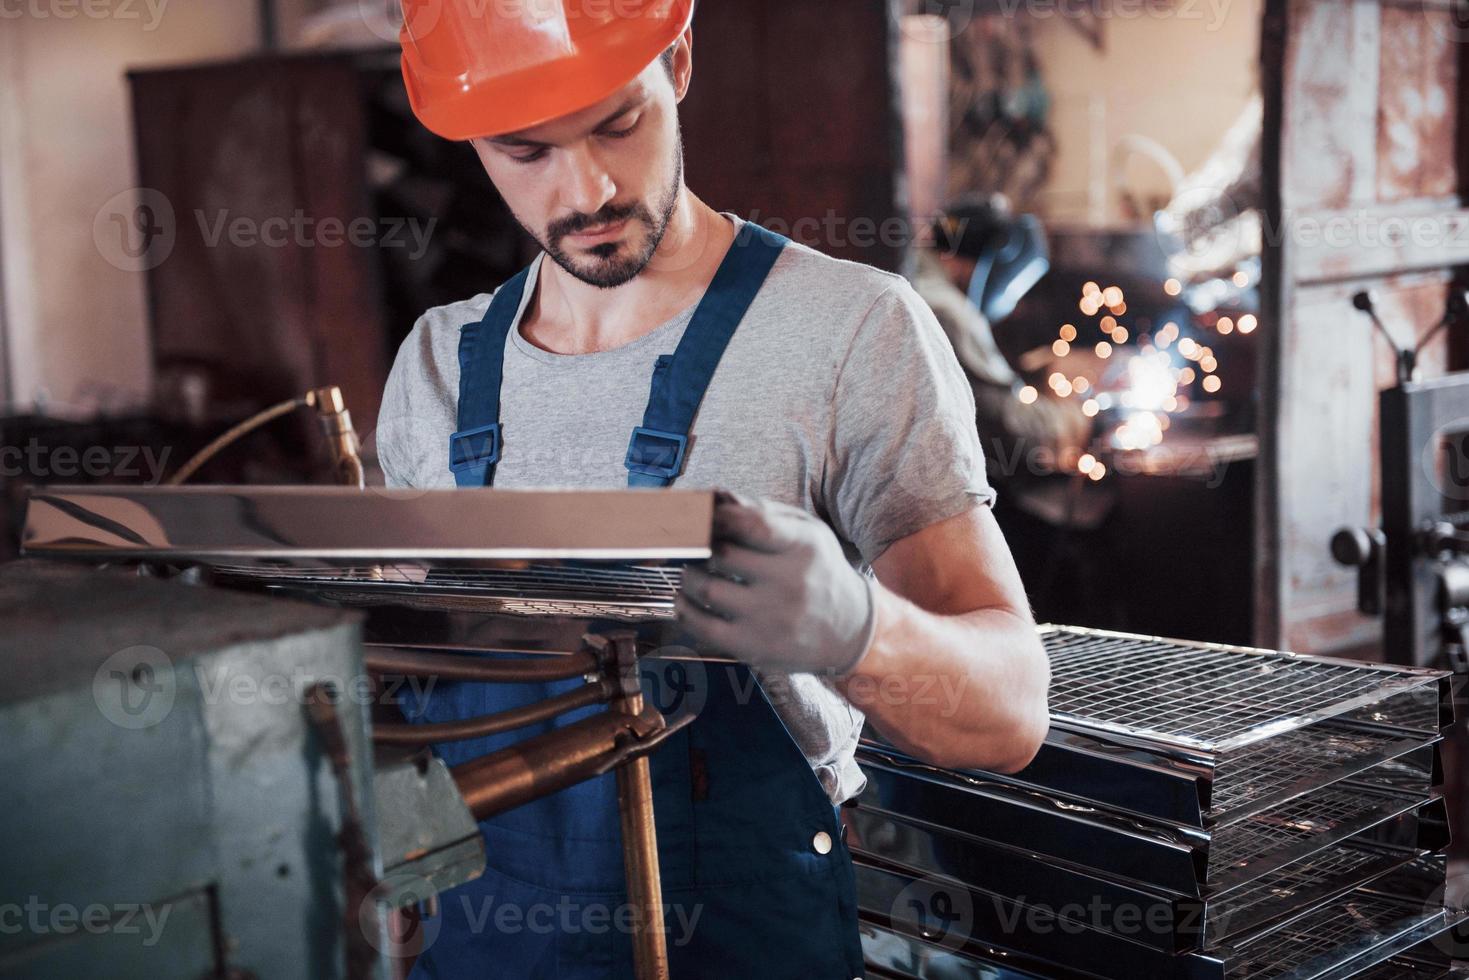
683, 64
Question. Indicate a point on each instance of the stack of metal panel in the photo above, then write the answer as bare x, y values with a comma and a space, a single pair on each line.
1198, 811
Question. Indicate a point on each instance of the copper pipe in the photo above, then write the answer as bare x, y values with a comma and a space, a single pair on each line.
640, 861
495, 724
635, 808
541, 765
455, 667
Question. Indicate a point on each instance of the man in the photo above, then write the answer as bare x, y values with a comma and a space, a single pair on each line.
984, 259
657, 341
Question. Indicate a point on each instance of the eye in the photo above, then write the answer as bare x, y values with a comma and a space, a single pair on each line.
532, 157
620, 134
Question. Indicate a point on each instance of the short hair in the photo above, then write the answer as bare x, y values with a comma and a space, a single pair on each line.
667, 58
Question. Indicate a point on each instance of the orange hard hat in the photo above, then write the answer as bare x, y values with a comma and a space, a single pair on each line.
489, 67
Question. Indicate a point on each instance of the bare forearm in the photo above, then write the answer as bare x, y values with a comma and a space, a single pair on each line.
960, 691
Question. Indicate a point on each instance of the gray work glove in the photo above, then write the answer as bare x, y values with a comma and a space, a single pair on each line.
778, 593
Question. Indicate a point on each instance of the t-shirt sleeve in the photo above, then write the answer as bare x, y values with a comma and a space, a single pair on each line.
904, 450
413, 406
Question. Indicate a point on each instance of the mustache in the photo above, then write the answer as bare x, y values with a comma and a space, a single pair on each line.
606, 215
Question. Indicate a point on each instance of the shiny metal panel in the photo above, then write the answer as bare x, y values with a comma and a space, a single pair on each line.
389, 536
1152, 855
1154, 917
895, 954
1193, 793
1330, 942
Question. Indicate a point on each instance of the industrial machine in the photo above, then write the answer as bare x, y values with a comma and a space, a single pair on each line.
1414, 570
164, 816
1198, 811
569, 584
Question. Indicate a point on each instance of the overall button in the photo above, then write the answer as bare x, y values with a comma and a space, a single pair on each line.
822, 842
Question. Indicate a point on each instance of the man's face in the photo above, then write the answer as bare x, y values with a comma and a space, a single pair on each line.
960, 269
596, 188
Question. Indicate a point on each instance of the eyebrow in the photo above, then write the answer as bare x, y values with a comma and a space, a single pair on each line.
520, 141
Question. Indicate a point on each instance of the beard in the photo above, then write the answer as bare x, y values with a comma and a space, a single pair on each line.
615, 263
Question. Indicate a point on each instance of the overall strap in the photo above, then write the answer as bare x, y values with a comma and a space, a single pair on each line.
475, 448
655, 454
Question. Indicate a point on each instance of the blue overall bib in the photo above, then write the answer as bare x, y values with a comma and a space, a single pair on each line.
757, 880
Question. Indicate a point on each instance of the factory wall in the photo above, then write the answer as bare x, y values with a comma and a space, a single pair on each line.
1145, 76
73, 312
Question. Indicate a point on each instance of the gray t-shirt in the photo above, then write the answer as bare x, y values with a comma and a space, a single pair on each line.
838, 393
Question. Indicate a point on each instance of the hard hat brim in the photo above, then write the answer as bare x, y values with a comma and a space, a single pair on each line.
469, 107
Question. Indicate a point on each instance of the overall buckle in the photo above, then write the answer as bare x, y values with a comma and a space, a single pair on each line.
653, 452
474, 447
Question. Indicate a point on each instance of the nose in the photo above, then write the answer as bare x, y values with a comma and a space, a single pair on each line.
586, 184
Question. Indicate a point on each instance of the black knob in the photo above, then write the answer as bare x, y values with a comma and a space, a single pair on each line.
1352, 546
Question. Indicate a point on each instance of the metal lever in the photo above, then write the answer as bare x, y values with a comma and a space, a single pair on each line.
1407, 357
1364, 548
1456, 640
1453, 606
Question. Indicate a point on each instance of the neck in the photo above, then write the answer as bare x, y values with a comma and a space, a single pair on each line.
572, 317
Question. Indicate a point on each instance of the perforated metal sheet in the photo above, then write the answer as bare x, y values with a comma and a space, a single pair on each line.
1410, 969
1318, 816
1333, 871
1364, 920
1276, 767
1207, 697
623, 592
